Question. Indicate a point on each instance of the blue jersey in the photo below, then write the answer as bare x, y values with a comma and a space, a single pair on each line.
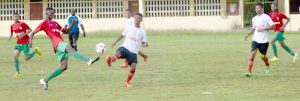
76, 25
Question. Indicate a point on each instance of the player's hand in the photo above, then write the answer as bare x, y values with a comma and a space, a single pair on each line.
282, 28
260, 29
113, 45
145, 45
246, 38
20, 36
84, 35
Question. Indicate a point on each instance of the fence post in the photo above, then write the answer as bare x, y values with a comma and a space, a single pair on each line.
94, 8
192, 8
45, 5
223, 9
241, 12
125, 5
26, 9
142, 7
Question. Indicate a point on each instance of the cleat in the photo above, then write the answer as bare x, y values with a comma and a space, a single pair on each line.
17, 75
267, 70
295, 58
108, 61
248, 74
93, 61
274, 59
38, 51
127, 84
44, 84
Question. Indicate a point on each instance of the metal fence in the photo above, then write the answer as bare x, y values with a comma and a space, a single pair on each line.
9, 7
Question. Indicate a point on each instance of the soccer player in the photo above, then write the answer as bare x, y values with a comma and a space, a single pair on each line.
61, 49
135, 37
74, 32
21, 30
261, 23
277, 18
130, 22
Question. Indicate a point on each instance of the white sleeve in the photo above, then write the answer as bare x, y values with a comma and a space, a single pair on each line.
144, 38
79, 20
253, 24
269, 20
67, 21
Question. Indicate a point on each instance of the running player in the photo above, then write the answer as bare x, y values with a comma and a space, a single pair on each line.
277, 18
74, 32
21, 29
135, 36
130, 22
261, 23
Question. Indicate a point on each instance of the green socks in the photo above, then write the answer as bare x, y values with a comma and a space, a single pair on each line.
17, 66
287, 49
275, 50
80, 57
32, 54
54, 74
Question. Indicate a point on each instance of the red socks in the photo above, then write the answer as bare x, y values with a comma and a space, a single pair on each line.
265, 59
130, 75
250, 64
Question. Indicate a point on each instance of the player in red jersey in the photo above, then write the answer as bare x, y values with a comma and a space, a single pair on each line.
278, 18
21, 30
62, 50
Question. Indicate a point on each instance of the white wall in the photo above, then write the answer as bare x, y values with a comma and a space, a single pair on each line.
295, 22
210, 23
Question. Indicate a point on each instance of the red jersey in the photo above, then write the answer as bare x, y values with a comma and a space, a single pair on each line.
277, 19
52, 29
20, 28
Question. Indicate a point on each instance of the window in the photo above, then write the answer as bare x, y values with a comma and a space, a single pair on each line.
295, 6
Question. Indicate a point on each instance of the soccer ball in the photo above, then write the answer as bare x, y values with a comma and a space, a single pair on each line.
100, 48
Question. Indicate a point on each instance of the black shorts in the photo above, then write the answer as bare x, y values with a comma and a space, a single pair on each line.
262, 47
126, 54
73, 35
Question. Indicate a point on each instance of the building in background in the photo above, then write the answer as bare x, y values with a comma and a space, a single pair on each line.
159, 14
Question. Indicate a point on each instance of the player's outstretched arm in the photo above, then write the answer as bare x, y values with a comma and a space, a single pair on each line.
10, 36
250, 33
285, 23
83, 30
31, 38
118, 39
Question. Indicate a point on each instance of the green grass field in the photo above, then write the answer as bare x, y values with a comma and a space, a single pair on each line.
188, 66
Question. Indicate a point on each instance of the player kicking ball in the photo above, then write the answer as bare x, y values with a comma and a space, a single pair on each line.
130, 22
135, 37
62, 50
278, 18
261, 23
21, 30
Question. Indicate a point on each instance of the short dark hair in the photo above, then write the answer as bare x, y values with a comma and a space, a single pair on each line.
260, 4
139, 14
49, 8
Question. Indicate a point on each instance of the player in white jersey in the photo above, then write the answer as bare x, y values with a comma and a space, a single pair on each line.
135, 37
130, 22
261, 24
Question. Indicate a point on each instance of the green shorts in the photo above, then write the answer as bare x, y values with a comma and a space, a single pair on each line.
61, 51
24, 48
279, 36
